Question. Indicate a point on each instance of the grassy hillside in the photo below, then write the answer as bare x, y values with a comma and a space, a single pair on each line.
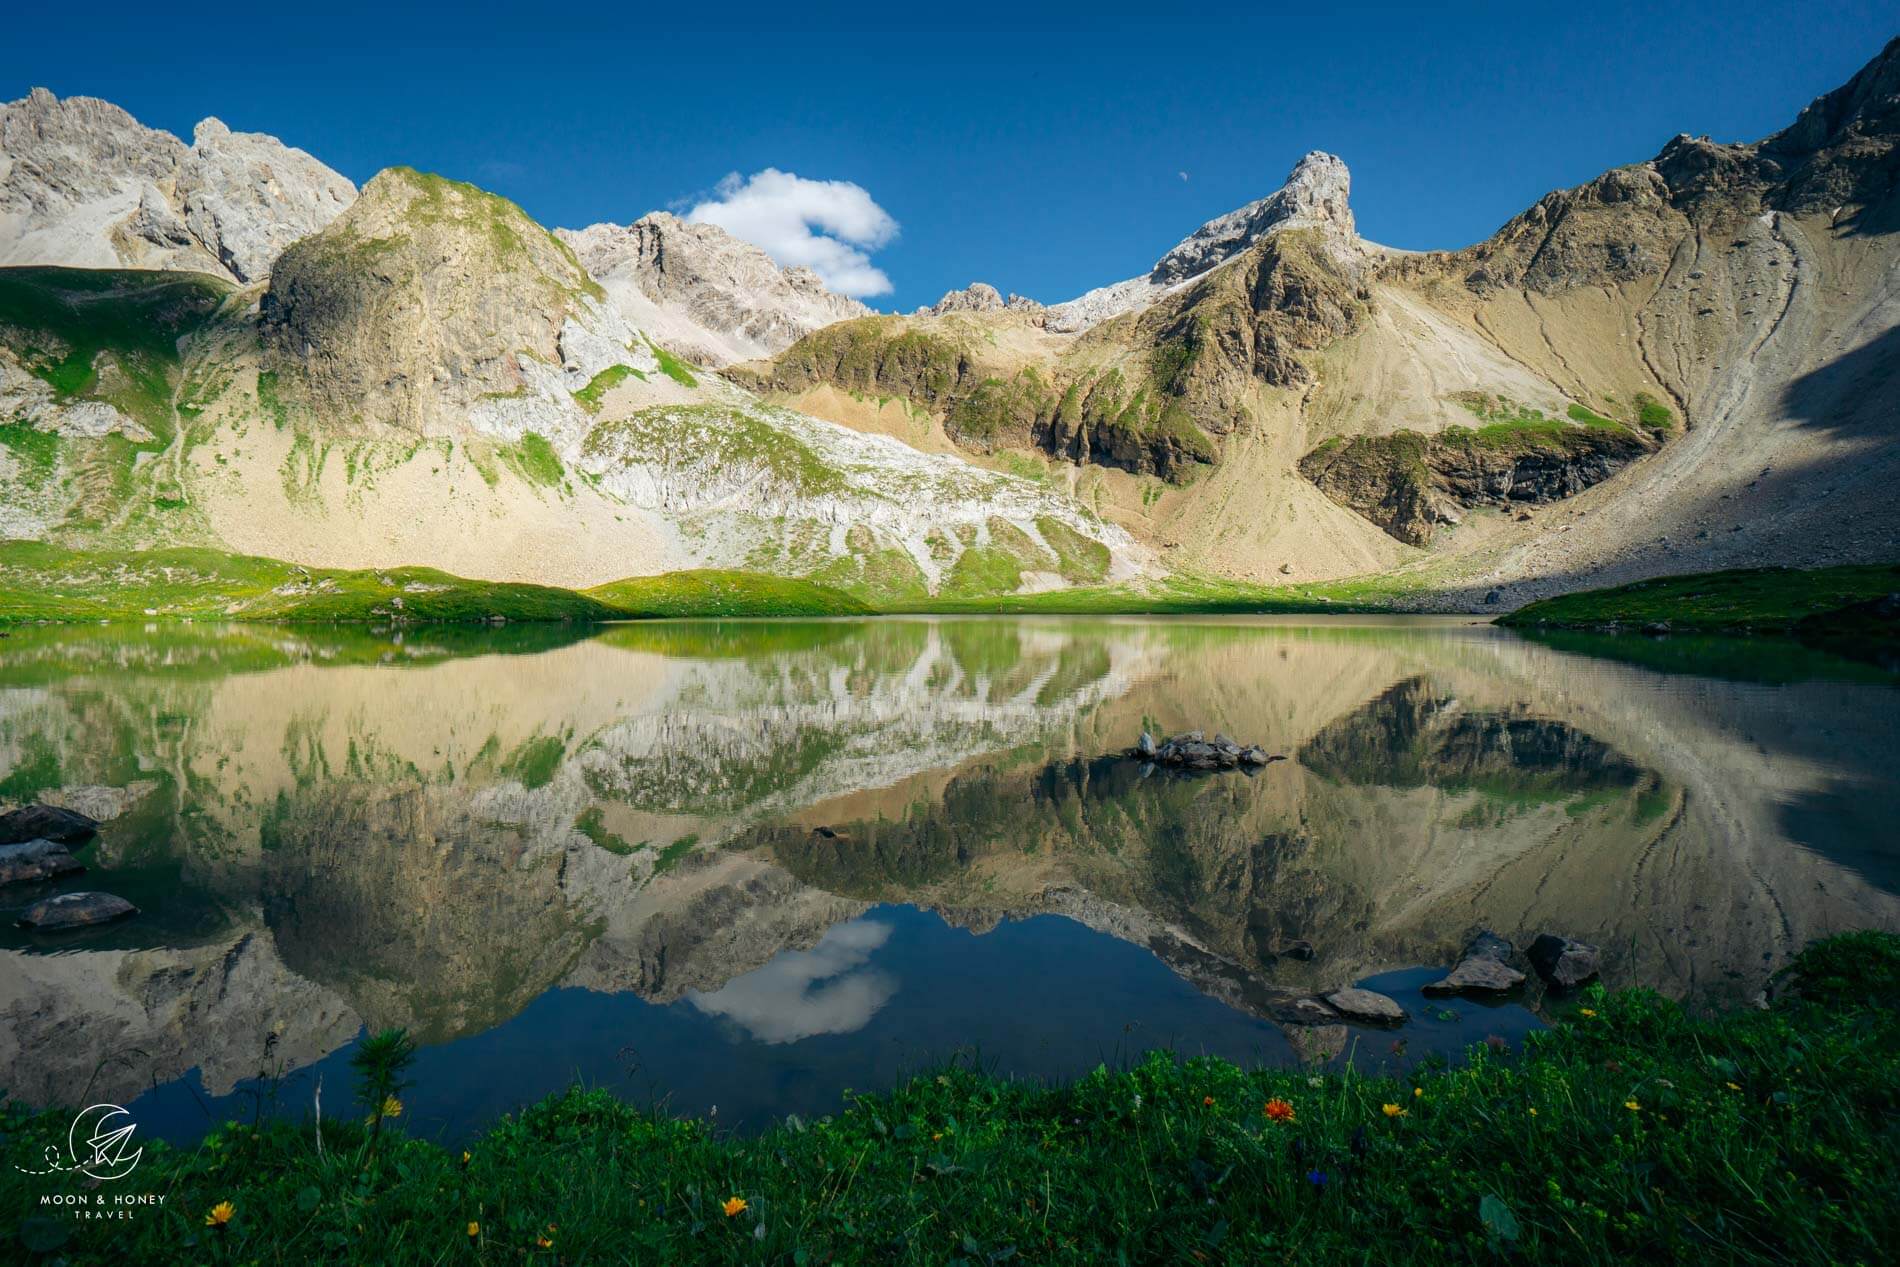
51, 583
712, 592
1752, 601
1630, 1131
43, 582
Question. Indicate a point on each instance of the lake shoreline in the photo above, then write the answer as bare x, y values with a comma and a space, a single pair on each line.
1759, 1134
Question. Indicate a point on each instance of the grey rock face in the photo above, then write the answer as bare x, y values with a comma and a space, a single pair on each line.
1366, 1005
36, 860
75, 910
976, 297
247, 196
704, 293
45, 822
84, 184
1562, 962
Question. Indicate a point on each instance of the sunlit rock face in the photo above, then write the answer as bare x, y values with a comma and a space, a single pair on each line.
332, 830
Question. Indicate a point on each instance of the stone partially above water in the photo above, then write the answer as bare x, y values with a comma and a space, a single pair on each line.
1562, 962
45, 822
36, 860
1483, 968
1366, 1005
75, 910
1194, 751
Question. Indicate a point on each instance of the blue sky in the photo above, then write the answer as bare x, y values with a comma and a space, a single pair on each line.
1038, 148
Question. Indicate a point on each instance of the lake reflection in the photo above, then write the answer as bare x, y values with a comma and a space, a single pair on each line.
752, 864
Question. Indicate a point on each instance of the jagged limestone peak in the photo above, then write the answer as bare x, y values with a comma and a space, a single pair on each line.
706, 294
83, 183
1315, 196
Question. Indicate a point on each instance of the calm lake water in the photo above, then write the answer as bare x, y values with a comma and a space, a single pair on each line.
742, 867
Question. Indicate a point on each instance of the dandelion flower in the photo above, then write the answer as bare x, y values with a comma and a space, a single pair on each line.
1278, 1110
734, 1207
1533, 1112
392, 1107
474, 1230
1417, 1092
220, 1214
1632, 1105
1393, 1110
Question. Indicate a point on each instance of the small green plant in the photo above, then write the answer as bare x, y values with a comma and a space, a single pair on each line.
381, 1063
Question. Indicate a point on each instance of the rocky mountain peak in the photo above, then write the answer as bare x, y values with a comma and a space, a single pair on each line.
83, 183
1315, 195
703, 292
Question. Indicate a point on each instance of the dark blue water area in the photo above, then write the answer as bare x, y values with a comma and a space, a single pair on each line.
893, 993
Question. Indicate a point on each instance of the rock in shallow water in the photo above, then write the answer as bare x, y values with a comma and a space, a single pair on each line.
1483, 968
75, 910
1562, 962
1366, 1005
36, 860
44, 822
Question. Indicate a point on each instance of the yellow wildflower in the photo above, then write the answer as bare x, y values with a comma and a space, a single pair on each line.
1533, 1112
1586, 1011
1732, 1086
474, 1230
734, 1207
1417, 1092
1393, 1110
1632, 1105
220, 1214
392, 1107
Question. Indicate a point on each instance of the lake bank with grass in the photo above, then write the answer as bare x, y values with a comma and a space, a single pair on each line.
1630, 1129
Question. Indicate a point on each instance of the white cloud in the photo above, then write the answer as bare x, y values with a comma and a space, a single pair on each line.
828, 226
802, 993
1182, 175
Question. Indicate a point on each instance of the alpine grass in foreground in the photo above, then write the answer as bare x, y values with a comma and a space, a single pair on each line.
1630, 1131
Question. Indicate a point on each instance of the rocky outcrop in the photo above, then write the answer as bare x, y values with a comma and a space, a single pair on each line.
430, 296
702, 292
1409, 484
83, 183
1314, 197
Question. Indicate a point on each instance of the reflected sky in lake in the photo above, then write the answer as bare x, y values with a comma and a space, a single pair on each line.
752, 864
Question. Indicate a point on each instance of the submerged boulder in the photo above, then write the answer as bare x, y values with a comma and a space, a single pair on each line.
45, 822
75, 910
36, 860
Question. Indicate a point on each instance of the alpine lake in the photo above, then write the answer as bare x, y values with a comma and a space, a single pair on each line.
743, 868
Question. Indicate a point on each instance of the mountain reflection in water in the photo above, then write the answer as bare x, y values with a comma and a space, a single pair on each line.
754, 863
